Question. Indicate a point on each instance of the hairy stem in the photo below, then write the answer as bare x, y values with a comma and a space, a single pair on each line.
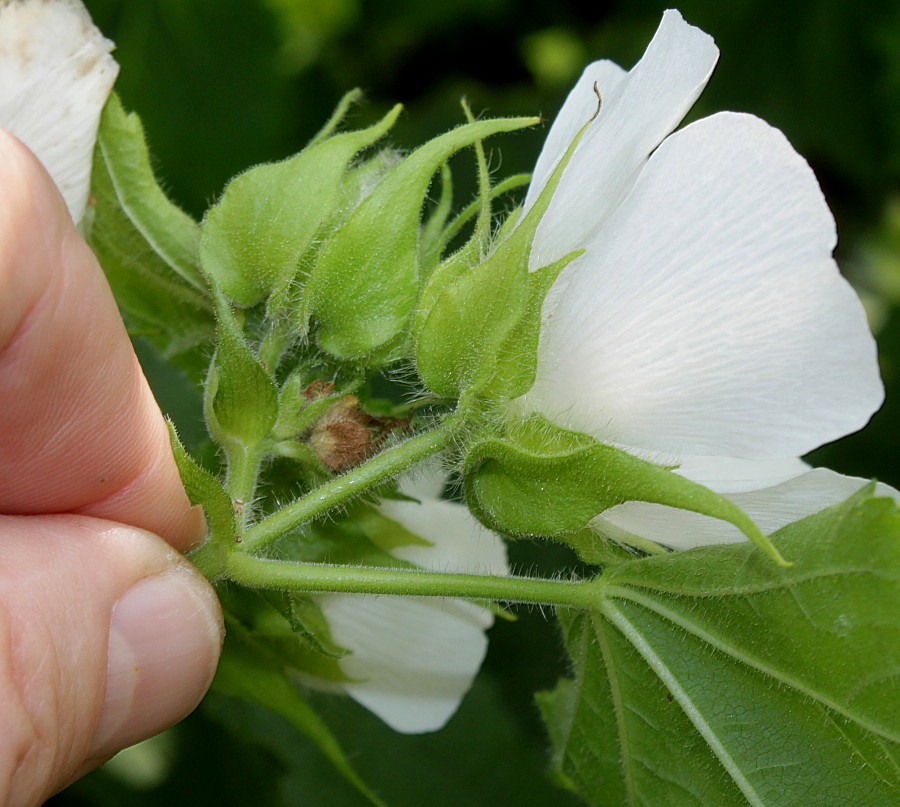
321, 577
243, 473
341, 489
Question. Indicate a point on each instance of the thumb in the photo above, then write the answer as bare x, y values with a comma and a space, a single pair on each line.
107, 636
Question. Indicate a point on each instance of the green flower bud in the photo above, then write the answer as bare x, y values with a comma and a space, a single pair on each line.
478, 327
242, 401
366, 279
539, 479
253, 240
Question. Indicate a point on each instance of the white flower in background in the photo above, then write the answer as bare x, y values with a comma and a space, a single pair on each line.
55, 76
414, 658
706, 325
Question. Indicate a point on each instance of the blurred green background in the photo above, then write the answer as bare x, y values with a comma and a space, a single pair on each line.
223, 84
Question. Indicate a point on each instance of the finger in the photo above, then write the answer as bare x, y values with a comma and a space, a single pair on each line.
107, 636
79, 429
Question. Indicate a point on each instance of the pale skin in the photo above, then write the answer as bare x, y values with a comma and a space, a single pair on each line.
107, 635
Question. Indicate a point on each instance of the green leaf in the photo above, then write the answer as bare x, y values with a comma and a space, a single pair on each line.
248, 671
146, 245
541, 480
244, 399
366, 279
253, 239
714, 677
306, 619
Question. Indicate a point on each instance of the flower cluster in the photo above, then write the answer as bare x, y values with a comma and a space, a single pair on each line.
698, 320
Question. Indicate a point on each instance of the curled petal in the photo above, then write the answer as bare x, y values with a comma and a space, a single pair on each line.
639, 109
771, 508
55, 76
707, 316
413, 659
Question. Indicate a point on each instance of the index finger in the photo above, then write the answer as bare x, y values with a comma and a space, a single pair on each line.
80, 431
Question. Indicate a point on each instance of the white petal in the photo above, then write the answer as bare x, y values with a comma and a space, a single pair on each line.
638, 111
413, 659
459, 544
55, 76
426, 481
771, 508
579, 106
707, 316
730, 475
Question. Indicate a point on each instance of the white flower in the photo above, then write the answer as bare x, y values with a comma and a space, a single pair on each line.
413, 658
55, 76
707, 324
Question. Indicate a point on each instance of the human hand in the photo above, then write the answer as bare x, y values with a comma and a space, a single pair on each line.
107, 635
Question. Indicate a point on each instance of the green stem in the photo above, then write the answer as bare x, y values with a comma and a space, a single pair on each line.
339, 490
210, 558
321, 577
243, 473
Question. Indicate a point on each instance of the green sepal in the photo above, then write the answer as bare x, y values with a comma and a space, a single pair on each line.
430, 239
299, 406
204, 489
250, 671
541, 480
365, 281
253, 239
467, 318
516, 360
351, 541
348, 99
306, 620
382, 531
601, 550
146, 245
244, 400
291, 626
455, 226
458, 341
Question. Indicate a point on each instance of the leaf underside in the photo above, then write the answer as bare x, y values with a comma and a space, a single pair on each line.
715, 678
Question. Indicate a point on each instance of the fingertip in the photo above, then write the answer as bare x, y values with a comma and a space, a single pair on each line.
84, 432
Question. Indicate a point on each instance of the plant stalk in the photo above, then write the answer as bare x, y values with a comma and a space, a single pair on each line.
341, 489
322, 577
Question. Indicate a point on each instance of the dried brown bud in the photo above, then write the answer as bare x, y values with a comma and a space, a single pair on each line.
341, 438
318, 389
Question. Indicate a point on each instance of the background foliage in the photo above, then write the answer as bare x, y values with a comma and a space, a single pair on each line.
223, 84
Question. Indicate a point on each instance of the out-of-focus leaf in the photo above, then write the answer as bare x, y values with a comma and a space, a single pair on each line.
248, 671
